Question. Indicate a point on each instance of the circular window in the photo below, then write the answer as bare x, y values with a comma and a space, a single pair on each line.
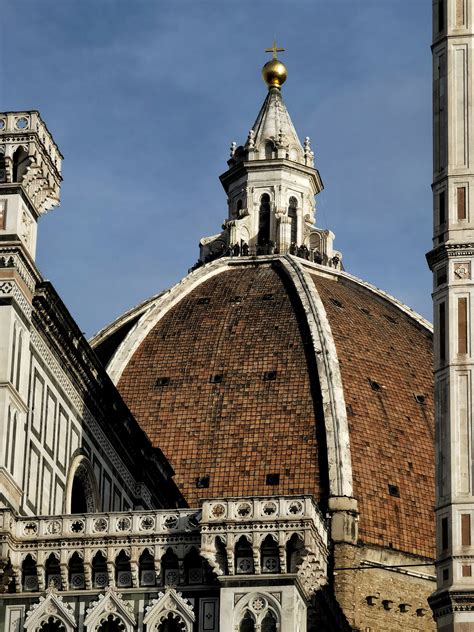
22, 123
3, 123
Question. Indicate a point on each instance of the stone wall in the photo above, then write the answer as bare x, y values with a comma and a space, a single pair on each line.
375, 599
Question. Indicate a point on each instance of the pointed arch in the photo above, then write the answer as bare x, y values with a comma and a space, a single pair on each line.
146, 569
269, 555
21, 162
243, 557
98, 614
171, 612
50, 614
260, 609
82, 492
53, 571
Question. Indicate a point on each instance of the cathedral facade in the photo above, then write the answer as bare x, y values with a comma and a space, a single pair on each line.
250, 450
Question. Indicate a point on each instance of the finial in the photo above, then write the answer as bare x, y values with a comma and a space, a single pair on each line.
274, 72
233, 147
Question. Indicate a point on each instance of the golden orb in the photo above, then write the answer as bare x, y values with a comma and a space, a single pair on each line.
274, 73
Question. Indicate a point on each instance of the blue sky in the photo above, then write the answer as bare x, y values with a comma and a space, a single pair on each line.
145, 97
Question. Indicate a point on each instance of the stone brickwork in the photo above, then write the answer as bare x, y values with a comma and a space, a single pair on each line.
375, 599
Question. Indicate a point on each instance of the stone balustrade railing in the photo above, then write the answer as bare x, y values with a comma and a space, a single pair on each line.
236, 536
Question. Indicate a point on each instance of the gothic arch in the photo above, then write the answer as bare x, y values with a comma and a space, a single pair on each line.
82, 493
50, 613
170, 608
99, 611
258, 606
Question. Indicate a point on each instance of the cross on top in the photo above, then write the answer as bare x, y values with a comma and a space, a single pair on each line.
274, 50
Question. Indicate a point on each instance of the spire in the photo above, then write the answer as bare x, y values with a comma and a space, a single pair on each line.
273, 134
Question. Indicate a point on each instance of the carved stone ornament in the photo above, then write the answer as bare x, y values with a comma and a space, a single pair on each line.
110, 602
462, 270
51, 605
170, 606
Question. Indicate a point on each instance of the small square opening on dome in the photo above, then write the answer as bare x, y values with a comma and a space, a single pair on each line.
272, 479
269, 376
393, 490
216, 378
202, 482
162, 381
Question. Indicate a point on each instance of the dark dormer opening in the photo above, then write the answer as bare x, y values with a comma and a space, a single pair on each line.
216, 378
203, 300
264, 220
267, 297
162, 381
419, 398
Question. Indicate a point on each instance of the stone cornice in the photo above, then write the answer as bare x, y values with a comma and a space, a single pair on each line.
447, 251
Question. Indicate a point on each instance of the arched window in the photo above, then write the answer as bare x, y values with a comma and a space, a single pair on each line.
292, 214
172, 623
193, 567
248, 623
240, 206
20, 164
243, 557
146, 566
53, 572
100, 578
269, 623
170, 569
76, 572
270, 559
111, 624
29, 575
294, 553
221, 556
123, 572
82, 495
52, 625
264, 220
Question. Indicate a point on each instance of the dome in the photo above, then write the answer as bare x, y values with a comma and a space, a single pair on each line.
273, 375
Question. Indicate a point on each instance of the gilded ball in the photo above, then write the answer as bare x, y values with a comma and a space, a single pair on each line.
274, 73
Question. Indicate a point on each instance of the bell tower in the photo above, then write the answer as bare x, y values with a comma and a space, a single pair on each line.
271, 184
30, 177
452, 263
